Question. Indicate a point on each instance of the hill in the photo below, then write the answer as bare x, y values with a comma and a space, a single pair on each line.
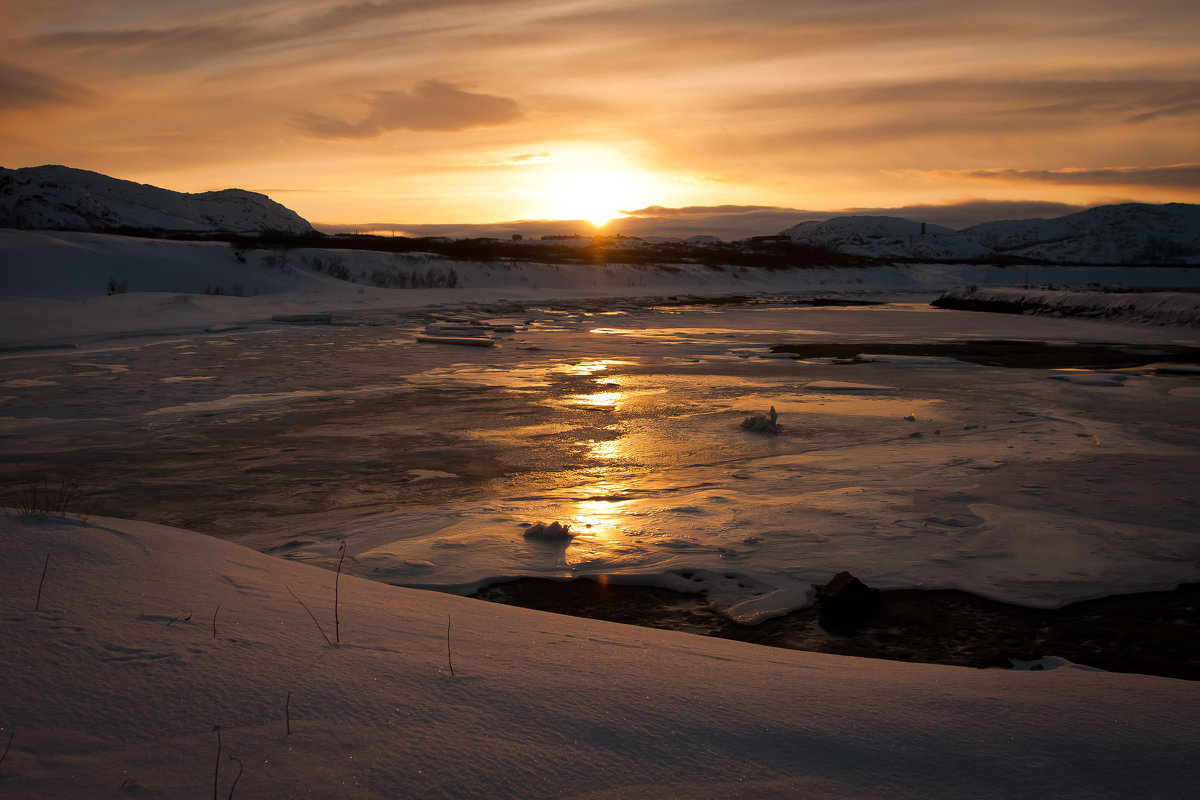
1129, 233
63, 198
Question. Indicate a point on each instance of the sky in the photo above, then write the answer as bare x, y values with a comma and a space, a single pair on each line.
687, 114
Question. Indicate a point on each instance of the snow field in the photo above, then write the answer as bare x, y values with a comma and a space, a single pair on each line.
113, 687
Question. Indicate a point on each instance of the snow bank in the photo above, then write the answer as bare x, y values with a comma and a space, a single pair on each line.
56, 287
1156, 308
147, 638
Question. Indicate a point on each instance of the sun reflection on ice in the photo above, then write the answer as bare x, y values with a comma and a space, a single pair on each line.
599, 401
592, 367
607, 450
600, 520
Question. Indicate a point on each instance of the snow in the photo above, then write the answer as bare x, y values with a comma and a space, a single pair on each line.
1155, 308
61, 198
1129, 233
65, 277
885, 236
147, 638
1038, 487
651, 424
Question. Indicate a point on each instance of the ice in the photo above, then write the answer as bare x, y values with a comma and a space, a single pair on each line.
425, 463
904, 469
553, 532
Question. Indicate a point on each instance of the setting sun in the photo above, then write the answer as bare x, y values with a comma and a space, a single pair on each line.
597, 194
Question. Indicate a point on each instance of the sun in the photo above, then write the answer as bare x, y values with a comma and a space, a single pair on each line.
596, 194
598, 197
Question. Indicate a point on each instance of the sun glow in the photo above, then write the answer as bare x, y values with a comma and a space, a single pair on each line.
595, 189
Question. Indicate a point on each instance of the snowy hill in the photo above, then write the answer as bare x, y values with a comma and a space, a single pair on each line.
885, 236
140, 641
63, 198
1131, 233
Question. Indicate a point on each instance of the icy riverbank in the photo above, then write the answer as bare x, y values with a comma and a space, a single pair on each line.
1153, 308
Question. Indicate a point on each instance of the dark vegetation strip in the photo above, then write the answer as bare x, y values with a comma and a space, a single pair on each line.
1151, 633
1004, 353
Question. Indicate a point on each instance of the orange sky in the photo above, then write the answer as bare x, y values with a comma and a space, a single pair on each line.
415, 111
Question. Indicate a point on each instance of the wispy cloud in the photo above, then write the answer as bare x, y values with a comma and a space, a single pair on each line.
731, 109
702, 211
27, 89
1173, 175
522, 160
430, 106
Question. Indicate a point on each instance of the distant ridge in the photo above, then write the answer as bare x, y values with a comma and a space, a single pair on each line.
63, 198
60, 198
1130, 233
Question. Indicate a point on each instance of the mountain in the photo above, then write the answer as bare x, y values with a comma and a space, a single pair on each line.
62, 198
1130, 233
885, 236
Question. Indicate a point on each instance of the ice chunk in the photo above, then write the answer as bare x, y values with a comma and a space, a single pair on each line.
555, 531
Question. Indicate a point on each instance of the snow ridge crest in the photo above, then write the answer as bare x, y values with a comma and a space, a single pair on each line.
55, 197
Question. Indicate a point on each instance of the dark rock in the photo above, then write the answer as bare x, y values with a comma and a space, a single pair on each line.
846, 603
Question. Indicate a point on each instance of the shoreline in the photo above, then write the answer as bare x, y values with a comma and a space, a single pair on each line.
1150, 633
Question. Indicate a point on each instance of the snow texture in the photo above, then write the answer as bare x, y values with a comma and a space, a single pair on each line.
1129, 233
1153, 308
147, 638
555, 531
63, 198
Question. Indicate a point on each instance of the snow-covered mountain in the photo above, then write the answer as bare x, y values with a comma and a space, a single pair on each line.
62, 198
1131, 233
885, 236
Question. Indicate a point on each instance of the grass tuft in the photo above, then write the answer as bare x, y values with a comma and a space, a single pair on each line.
47, 497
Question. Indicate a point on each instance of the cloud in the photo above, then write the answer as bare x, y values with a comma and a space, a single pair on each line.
1173, 176
522, 160
964, 213
430, 106
1171, 111
701, 211
730, 222
26, 89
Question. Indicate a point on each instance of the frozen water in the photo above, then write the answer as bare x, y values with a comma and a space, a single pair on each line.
908, 471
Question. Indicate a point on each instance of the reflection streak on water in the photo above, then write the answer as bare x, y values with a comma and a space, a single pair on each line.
599, 521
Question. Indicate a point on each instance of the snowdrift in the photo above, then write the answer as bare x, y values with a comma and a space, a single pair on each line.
140, 641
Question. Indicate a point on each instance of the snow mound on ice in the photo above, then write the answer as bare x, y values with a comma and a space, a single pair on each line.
763, 423
555, 531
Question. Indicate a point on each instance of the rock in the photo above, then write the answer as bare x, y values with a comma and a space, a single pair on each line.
304, 319
846, 603
763, 423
